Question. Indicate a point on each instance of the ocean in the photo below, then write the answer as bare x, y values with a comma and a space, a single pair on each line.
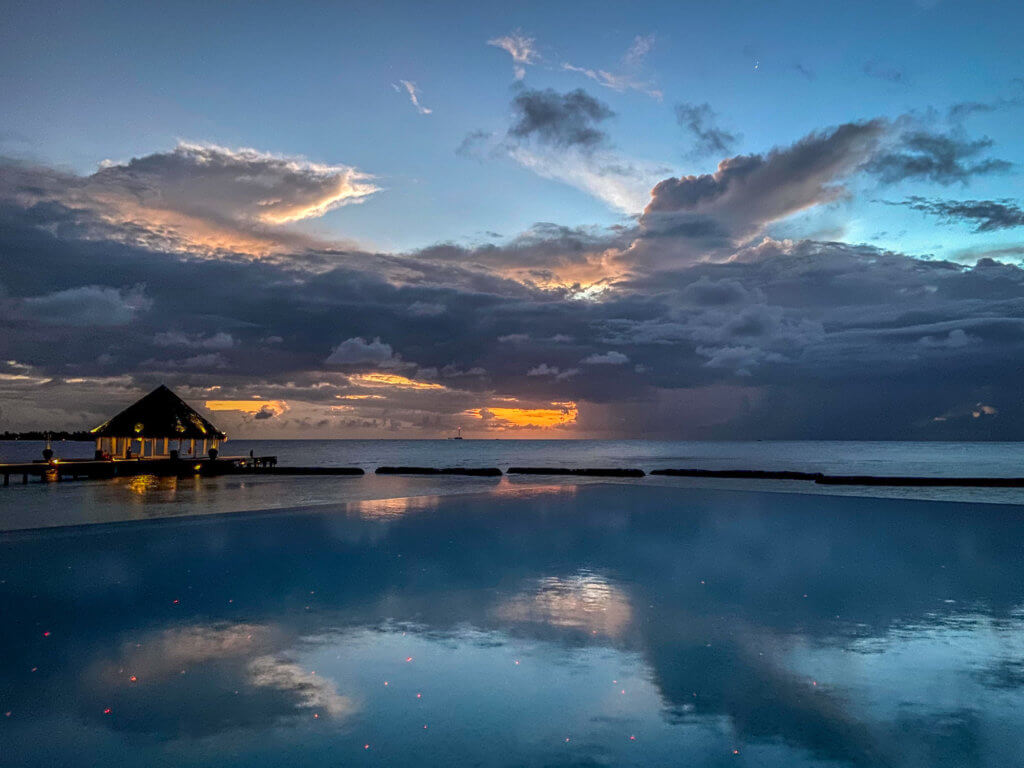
144, 497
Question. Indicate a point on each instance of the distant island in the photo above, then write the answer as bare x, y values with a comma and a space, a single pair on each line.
83, 436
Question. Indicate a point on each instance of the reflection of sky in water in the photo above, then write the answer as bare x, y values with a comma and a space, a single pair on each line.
643, 625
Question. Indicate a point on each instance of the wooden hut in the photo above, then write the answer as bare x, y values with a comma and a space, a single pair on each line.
160, 415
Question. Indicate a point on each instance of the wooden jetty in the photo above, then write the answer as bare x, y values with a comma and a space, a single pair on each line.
57, 470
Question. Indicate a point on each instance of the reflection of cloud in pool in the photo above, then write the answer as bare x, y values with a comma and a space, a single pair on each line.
202, 679
384, 509
166, 653
312, 691
583, 601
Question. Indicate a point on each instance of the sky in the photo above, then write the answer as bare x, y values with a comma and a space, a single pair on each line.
668, 220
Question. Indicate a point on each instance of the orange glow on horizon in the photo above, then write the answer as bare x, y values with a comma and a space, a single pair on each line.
248, 406
503, 418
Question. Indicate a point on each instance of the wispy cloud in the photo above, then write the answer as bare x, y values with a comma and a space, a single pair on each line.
700, 121
414, 95
986, 215
521, 48
626, 77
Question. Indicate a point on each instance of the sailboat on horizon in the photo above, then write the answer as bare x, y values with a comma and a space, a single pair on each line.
458, 434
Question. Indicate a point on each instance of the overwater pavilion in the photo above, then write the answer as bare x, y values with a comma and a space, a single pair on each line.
160, 415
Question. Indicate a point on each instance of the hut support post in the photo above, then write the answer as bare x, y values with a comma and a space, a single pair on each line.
165, 447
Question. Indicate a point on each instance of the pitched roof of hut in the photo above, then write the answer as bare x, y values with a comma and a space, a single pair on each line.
161, 413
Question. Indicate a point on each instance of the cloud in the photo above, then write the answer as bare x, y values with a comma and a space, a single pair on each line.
548, 370
642, 45
241, 185
472, 143
615, 81
219, 340
626, 77
357, 350
607, 358
559, 119
749, 191
986, 215
558, 136
942, 158
414, 95
621, 183
781, 337
197, 197
88, 305
257, 409
521, 48
699, 121
314, 692
426, 309
873, 68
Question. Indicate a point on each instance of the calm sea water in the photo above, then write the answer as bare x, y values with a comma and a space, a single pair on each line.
619, 625
881, 458
67, 503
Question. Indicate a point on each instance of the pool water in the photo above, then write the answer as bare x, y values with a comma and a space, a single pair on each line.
535, 626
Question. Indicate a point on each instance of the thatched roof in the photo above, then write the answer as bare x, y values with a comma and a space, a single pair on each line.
161, 413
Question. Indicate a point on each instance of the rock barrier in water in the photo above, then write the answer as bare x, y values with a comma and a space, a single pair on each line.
311, 471
744, 474
471, 471
589, 472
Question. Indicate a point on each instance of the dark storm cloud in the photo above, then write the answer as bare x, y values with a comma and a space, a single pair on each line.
700, 122
750, 191
559, 119
688, 322
985, 215
941, 158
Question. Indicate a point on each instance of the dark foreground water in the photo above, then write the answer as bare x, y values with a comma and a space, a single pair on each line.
562, 626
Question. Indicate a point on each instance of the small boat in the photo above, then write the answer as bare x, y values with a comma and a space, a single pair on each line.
457, 436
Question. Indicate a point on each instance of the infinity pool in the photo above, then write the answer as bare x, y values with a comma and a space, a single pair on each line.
562, 626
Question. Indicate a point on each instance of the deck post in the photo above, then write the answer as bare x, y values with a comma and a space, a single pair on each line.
165, 447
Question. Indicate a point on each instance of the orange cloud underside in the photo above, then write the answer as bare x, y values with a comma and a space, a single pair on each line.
560, 415
247, 406
391, 380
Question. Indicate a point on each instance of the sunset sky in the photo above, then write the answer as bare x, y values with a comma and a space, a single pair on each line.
667, 220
